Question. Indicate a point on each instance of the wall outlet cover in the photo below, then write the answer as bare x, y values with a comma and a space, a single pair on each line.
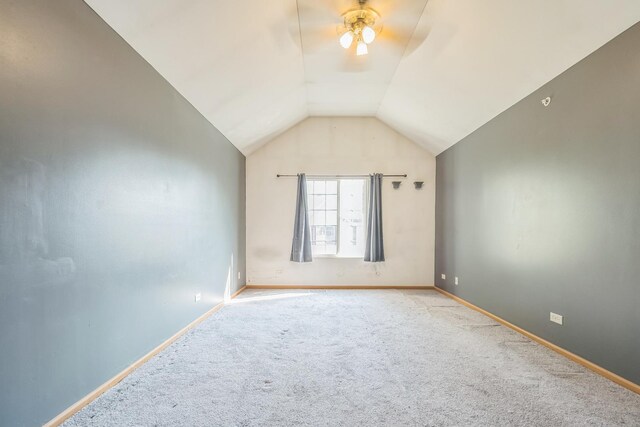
197, 297
556, 318
456, 280
443, 276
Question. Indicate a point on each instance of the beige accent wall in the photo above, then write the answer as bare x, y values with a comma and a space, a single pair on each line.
346, 145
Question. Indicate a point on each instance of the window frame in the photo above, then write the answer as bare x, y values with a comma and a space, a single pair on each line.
364, 209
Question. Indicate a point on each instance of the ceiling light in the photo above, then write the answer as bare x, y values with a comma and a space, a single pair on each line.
359, 25
346, 39
368, 34
362, 48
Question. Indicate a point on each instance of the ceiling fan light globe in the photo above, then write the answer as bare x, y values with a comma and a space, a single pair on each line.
368, 34
362, 48
346, 39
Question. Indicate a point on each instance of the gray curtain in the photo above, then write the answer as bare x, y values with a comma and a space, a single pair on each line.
374, 251
301, 247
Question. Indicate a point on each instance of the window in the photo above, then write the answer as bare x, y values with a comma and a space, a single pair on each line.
337, 216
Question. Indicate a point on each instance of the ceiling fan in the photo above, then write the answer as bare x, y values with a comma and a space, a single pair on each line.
359, 25
320, 24
324, 22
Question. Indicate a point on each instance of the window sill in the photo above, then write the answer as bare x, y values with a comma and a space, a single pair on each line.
338, 257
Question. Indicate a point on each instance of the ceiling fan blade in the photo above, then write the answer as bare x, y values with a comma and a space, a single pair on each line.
355, 64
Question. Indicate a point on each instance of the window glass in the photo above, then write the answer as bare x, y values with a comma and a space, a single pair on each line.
336, 216
352, 201
332, 201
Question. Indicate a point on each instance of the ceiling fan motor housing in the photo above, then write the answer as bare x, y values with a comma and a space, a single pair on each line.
355, 20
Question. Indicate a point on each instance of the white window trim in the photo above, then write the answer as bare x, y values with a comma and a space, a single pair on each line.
366, 203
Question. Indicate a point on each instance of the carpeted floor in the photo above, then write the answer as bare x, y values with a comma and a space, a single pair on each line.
356, 358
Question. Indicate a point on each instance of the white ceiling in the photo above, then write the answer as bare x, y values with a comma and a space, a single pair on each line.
438, 71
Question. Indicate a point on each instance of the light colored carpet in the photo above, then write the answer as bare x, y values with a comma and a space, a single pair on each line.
347, 358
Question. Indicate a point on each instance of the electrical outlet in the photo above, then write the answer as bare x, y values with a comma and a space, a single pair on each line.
456, 280
443, 276
556, 318
238, 275
197, 297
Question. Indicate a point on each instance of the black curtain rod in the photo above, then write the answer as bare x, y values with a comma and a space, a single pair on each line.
341, 176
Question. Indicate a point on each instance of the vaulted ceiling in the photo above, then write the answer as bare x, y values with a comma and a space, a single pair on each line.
438, 70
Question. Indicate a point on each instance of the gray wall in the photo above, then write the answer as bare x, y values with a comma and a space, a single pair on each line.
118, 202
539, 210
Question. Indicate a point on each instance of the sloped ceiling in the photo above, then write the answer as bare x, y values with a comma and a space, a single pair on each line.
439, 70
